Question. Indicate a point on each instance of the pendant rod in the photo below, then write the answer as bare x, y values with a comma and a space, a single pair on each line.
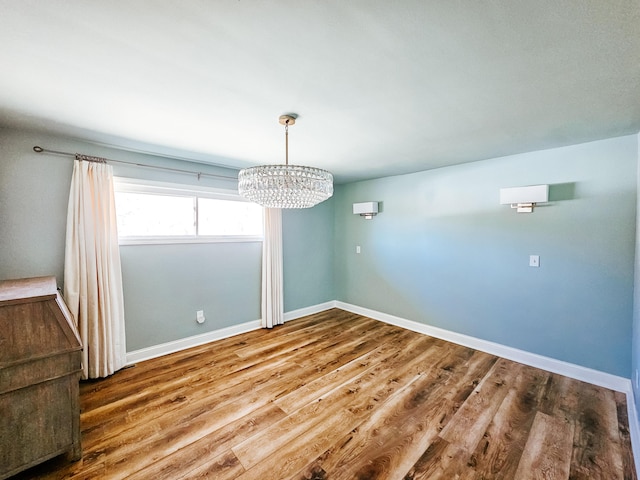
287, 120
286, 142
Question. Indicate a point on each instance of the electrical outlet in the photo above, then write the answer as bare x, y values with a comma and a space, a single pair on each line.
534, 260
200, 316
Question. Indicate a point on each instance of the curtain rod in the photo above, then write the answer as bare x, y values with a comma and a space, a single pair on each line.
88, 158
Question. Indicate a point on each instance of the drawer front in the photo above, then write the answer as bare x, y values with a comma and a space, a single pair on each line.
37, 423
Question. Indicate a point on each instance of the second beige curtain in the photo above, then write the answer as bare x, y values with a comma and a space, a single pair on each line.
272, 278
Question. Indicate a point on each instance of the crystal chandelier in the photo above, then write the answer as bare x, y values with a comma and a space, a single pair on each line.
285, 186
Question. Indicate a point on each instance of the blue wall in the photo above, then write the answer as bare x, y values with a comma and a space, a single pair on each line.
164, 285
444, 252
34, 192
441, 252
308, 256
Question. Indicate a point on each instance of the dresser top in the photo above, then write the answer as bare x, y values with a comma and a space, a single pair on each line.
33, 289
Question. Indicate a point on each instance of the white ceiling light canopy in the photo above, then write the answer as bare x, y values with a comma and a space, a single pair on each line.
285, 186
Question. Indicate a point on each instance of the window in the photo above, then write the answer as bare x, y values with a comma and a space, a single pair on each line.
163, 213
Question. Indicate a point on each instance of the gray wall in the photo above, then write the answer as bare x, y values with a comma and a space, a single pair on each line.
164, 285
444, 252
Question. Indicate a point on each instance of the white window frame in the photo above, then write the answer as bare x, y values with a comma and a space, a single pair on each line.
130, 185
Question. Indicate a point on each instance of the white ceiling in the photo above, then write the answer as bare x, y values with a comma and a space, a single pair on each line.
381, 87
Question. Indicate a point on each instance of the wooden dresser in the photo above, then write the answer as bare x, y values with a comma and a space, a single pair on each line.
40, 367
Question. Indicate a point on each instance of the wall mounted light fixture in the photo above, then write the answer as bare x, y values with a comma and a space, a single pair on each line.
524, 199
366, 209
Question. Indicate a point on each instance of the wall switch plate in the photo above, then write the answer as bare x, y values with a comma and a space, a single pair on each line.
357, 248
534, 260
200, 316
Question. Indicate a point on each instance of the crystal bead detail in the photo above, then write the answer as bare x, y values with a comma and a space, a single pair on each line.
285, 186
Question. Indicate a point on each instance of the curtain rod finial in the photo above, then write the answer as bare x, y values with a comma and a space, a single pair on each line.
38, 149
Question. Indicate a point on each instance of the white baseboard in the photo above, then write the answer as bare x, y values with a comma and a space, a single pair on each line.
188, 342
196, 340
303, 312
571, 370
634, 428
567, 369
596, 377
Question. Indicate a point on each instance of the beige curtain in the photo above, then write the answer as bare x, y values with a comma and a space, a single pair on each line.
272, 288
92, 274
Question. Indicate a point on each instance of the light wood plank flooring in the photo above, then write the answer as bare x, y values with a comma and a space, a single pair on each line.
339, 396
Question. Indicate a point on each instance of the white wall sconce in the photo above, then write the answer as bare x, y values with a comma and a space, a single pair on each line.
366, 209
524, 199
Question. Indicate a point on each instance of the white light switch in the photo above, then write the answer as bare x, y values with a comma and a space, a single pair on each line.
357, 248
534, 260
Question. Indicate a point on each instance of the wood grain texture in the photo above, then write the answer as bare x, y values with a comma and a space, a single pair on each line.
339, 396
40, 365
547, 454
27, 290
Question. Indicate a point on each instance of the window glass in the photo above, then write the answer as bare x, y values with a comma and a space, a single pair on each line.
224, 217
141, 214
150, 213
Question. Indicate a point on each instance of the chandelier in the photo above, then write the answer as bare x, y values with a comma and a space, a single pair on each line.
285, 186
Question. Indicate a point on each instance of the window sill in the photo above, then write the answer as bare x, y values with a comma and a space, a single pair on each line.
124, 241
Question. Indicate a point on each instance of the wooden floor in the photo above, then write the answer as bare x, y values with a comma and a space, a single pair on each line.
339, 396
